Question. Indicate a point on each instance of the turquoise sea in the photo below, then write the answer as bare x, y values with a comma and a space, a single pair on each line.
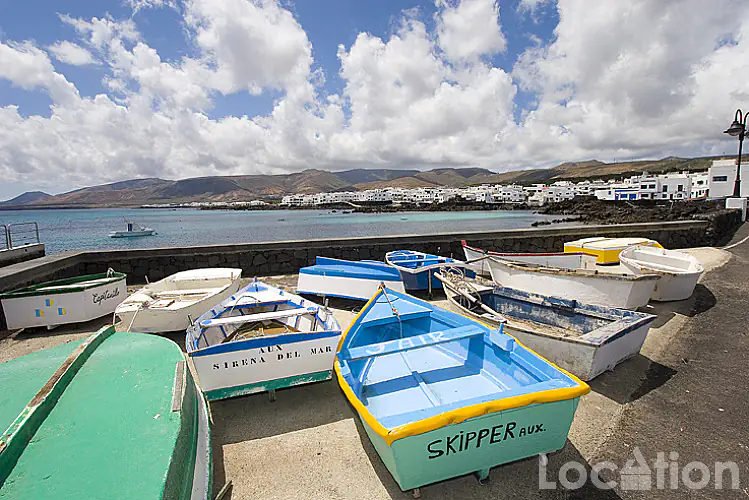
81, 229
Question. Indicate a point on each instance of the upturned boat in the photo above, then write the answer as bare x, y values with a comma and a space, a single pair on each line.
59, 302
417, 268
678, 272
606, 250
346, 278
584, 339
116, 416
262, 339
172, 303
571, 276
441, 395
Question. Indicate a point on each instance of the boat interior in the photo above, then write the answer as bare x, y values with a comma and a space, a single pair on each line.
415, 260
422, 362
655, 258
182, 290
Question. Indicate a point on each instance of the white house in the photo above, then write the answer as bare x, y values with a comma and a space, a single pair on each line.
699, 185
721, 178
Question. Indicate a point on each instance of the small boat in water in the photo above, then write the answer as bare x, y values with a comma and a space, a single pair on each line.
117, 415
417, 268
441, 395
678, 271
60, 302
606, 250
348, 279
262, 339
583, 339
172, 303
132, 231
573, 276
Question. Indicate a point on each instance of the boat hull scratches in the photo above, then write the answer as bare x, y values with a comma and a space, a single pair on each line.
282, 383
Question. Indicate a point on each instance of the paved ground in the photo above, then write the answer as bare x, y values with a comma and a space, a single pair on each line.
686, 392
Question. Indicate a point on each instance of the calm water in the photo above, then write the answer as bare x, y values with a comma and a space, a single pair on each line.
62, 230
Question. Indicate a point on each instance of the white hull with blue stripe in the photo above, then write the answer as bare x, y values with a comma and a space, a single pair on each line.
261, 339
347, 279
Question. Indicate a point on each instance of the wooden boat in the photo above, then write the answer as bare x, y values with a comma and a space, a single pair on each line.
172, 303
441, 395
417, 268
678, 271
115, 416
262, 339
584, 339
571, 276
132, 231
59, 302
606, 250
347, 279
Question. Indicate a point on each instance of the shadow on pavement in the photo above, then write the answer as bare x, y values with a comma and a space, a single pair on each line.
632, 379
702, 300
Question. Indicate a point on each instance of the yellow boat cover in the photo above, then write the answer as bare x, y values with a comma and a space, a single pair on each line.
606, 250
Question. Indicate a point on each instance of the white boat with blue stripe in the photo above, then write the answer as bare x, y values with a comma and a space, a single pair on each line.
348, 279
262, 339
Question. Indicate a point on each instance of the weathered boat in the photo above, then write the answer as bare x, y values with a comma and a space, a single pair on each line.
262, 339
60, 302
172, 303
606, 250
571, 276
116, 416
584, 339
678, 271
417, 268
441, 395
347, 279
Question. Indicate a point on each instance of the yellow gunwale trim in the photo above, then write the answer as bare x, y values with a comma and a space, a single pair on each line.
459, 414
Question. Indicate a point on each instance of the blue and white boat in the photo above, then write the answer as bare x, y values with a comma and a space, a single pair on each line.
262, 339
347, 279
441, 395
417, 268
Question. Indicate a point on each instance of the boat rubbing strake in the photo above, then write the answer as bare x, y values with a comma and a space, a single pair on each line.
441, 395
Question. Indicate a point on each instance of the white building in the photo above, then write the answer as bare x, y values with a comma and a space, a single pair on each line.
700, 188
722, 176
675, 187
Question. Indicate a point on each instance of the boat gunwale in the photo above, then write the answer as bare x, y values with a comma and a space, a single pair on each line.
38, 290
447, 262
558, 271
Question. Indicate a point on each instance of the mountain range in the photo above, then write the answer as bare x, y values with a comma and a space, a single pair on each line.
249, 187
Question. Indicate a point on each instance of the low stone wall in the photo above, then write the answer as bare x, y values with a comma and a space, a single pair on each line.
23, 253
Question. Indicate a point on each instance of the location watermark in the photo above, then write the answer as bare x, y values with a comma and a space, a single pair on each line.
665, 472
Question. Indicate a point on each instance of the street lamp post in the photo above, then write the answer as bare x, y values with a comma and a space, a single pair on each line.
738, 128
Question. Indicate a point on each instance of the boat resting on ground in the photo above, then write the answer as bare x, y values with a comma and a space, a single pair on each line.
606, 250
441, 395
116, 416
417, 268
347, 279
169, 304
60, 302
678, 271
262, 339
585, 340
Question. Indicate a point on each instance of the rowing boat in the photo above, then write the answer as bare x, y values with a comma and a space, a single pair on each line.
606, 250
417, 268
171, 304
262, 339
346, 278
116, 416
441, 395
678, 271
584, 339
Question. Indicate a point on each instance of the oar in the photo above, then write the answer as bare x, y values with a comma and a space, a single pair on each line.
471, 297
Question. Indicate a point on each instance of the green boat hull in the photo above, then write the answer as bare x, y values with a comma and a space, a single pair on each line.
477, 444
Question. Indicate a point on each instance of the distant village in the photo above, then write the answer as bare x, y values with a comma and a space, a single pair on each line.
717, 182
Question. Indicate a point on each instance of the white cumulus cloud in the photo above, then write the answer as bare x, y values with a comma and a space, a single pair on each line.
71, 53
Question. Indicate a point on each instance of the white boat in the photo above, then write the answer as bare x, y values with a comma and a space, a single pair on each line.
570, 276
348, 279
132, 231
584, 339
71, 300
262, 339
678, 271
172, 303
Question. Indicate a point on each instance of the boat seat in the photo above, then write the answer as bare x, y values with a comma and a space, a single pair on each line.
187, 291
408, 343
258, 317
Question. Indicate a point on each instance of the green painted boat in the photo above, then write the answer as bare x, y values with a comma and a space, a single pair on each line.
116, 416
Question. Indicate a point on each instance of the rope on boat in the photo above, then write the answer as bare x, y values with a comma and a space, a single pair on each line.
392, 307
140, 306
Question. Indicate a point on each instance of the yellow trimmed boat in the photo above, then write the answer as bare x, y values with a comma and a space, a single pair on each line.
606, 250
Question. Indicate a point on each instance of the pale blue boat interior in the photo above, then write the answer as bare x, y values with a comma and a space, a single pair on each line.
417, 260
361, 269
427, 361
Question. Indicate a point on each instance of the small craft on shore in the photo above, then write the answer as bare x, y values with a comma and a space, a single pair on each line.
114, 416
585, 340
571, 276
132, 231
60, 302
169, 304
606, 250
417, 268
678, 271
441, 395
262, 339
347, 279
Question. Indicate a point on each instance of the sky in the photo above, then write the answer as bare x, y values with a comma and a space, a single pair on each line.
97, 91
